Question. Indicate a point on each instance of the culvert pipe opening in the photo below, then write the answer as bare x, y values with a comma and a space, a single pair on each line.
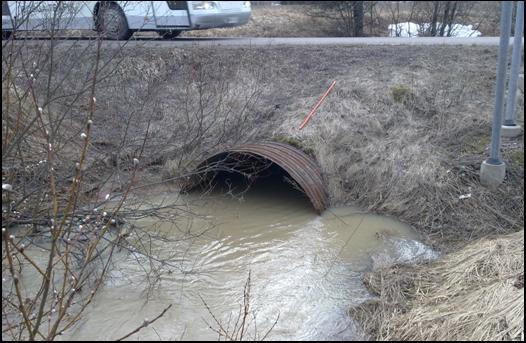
265, 159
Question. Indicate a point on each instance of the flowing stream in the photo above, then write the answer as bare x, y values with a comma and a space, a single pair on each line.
303, 267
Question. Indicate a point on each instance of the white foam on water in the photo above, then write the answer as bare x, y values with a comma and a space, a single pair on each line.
399, 250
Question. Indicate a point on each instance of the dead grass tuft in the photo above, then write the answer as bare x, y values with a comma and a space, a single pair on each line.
475, 293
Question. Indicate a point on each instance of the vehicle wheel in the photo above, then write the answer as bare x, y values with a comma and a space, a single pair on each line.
169, 34
113, 24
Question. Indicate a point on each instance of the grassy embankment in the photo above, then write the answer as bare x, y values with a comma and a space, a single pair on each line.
403, 133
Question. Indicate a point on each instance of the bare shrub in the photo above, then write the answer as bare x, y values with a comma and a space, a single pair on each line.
348, 14
244, 326
84, 127
438, 18
49, 197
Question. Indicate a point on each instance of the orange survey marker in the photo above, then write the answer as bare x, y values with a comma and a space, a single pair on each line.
307, 118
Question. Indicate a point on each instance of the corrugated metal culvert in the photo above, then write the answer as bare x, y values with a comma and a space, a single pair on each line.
253, 159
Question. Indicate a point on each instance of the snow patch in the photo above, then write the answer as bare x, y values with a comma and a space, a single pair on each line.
409, 29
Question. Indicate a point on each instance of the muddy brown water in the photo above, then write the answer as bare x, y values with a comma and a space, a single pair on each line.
304, 267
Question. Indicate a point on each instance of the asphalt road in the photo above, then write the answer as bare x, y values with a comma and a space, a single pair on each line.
341, 41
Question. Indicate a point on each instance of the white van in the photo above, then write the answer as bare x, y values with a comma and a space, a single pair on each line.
120, 19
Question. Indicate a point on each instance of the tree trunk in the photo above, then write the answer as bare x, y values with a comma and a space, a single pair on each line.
452, 19
358, 18
345, 11
434, 19
445, 19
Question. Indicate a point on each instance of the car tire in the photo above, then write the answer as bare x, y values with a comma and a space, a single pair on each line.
171, 34
113, 24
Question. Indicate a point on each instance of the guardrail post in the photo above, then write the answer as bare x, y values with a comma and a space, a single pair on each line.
510, 127
493, 170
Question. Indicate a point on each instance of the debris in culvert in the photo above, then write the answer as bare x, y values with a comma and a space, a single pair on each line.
243, 159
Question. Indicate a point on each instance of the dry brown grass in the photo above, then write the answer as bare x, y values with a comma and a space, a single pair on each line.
410, 157
476, 293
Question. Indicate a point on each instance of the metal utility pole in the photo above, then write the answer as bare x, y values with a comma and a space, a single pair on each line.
493, 170
510, 127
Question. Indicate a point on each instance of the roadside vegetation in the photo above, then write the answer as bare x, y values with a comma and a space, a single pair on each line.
88, 128
341, 18
85, 129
